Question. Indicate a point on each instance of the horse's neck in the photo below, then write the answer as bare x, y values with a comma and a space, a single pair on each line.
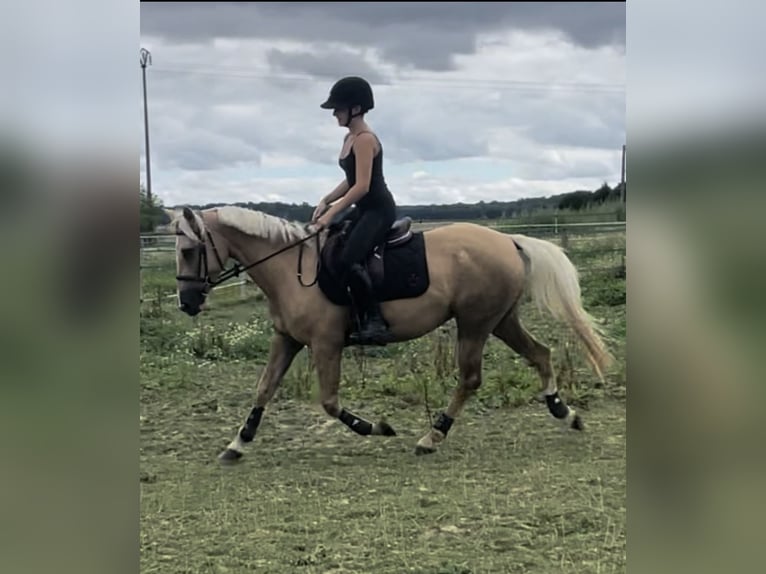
271, 275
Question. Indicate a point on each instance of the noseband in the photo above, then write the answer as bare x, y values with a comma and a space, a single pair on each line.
203, 274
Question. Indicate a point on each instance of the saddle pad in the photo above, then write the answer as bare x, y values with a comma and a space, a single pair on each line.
405, 273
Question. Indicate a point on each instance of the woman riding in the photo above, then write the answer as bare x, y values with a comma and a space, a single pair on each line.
361, 159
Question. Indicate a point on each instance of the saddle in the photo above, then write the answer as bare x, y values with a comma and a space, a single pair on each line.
399, 234
397, 266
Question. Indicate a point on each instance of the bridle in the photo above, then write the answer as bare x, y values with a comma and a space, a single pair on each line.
203, 273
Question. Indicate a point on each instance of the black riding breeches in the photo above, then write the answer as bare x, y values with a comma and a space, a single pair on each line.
368, 230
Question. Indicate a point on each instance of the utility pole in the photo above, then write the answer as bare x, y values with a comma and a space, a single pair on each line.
146, 57
622, 178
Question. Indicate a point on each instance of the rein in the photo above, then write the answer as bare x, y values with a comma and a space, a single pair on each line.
239, 268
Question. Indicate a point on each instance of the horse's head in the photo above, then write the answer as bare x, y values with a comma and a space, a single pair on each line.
200, 257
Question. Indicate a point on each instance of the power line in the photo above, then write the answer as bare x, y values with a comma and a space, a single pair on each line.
519, 85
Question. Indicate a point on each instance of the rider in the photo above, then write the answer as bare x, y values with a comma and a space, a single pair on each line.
361, 158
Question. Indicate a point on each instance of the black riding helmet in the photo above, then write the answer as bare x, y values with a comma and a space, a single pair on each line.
349, 92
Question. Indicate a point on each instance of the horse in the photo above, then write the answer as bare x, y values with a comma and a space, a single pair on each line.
471, 273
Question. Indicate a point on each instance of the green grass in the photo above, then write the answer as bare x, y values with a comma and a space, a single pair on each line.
507, 492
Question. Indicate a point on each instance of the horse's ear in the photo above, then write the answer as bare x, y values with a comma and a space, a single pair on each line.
171, 214
194, 221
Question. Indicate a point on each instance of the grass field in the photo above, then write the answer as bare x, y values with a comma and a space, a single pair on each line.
507, 492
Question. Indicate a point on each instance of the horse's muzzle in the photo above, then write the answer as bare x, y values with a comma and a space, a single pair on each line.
190, 301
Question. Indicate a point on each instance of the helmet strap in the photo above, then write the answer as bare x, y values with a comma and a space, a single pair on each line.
351, 116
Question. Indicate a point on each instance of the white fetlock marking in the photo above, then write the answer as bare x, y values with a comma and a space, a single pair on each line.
237, 444
427, 441
566, 422
571, 415
432, 439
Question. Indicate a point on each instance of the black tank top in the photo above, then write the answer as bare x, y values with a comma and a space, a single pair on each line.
378, 196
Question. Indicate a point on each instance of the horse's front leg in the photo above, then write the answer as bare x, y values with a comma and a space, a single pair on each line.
281, 354
328, 360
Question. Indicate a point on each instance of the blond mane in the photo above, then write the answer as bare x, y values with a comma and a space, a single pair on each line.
259, 224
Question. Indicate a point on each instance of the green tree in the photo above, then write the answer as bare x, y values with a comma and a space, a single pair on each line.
575, 200
603, 194
152, 212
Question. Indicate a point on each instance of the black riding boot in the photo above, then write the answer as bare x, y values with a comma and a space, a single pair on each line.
373, 328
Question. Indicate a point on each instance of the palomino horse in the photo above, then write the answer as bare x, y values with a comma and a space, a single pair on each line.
474, 274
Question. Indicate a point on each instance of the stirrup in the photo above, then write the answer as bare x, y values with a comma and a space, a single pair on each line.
368, 336
357, 338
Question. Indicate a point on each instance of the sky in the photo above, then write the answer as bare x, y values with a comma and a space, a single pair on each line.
473, 101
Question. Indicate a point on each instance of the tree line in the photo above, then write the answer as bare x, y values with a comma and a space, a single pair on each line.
153, 214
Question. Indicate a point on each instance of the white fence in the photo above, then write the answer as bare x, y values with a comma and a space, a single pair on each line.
158, 248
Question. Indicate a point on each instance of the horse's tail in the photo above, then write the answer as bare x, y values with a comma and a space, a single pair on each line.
553, 283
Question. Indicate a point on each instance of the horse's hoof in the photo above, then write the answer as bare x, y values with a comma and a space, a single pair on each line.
229, 456
420, 450
577, 423
386, 429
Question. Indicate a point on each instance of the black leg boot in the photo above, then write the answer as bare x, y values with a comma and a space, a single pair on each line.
373, 328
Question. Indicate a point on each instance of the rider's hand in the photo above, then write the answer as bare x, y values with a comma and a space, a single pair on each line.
322, 222
320, 209
327, 218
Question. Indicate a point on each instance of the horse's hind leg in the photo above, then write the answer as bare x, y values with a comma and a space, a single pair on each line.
469, 350
511, 332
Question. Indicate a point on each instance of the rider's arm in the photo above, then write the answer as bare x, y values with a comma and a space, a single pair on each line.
336, 193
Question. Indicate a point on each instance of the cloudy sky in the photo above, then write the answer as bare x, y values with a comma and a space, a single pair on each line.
473, 101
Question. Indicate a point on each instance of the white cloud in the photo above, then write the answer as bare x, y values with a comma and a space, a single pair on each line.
523, 113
